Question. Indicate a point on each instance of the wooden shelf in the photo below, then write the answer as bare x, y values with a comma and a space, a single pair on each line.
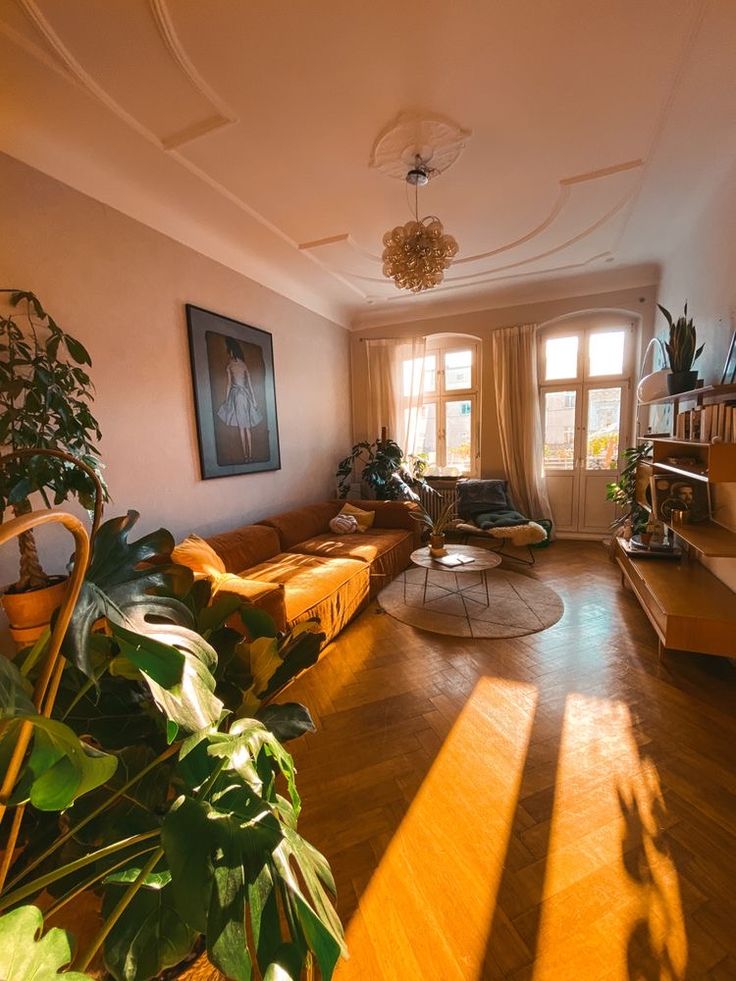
710, 538
689, 608
718, 460
714, 393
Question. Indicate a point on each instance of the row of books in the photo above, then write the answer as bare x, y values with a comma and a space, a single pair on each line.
708, 422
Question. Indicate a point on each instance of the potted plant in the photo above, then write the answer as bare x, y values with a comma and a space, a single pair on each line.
148, 797
632, 518
45, 396
682, 352
437, 527
390, 475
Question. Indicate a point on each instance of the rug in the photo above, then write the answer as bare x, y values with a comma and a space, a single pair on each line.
518, 605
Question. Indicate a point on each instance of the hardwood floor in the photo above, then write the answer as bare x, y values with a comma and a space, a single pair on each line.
561, 805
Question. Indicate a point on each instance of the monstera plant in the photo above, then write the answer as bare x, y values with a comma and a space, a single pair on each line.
389, 474
156, 782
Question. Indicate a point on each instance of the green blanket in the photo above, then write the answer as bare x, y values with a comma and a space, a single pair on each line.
499, 519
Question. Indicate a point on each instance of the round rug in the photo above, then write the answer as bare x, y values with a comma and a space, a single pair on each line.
518, 605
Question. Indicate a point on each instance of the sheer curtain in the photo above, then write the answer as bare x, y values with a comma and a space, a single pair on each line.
395, 388
519, 424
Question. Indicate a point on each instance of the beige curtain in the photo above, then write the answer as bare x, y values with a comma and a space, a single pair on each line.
519, 423
395, 387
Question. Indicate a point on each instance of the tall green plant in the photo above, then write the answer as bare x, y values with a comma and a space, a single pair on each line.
390, 475
45, 398
161, 785
682, 340
623, 491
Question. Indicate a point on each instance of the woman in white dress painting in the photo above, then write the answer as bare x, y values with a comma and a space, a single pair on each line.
239, 408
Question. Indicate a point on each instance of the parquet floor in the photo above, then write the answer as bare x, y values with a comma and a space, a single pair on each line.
558, 806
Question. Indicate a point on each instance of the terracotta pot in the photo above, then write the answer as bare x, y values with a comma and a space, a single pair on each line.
437, 545
29, 613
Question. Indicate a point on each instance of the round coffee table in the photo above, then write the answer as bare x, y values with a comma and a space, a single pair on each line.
483, 560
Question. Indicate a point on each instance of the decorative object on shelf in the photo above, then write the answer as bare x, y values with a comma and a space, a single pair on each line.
682, 352
234, 395
729, 368
654, 385
678, 500
48, 443
416, 254
390, 475
639, 551
685, 463
633, 516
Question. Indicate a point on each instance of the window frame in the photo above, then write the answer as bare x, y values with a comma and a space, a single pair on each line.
440, 395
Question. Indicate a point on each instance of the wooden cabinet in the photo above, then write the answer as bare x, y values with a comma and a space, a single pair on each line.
689, 607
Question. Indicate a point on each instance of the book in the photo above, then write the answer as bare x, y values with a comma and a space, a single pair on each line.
454, 560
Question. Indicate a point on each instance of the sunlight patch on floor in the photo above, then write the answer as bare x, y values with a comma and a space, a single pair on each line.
611, 898
426, 911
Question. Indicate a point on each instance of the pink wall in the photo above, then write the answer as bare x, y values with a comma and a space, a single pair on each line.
121, 288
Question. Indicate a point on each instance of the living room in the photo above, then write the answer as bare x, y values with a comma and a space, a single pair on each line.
520, 768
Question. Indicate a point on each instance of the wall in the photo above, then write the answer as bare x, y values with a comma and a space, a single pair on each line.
702, 269
121, 287
481, 324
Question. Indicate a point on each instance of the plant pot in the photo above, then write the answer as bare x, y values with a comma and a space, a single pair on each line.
681, 381
437, 546
29, 612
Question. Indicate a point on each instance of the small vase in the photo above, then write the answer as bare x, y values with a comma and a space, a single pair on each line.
437, 546
681, 381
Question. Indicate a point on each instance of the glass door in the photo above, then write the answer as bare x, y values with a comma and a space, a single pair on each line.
584, 395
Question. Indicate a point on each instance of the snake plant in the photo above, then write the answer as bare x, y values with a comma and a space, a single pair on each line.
683, 338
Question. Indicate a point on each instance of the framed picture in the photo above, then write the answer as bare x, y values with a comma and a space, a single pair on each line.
234, 395
671, 493
729, 368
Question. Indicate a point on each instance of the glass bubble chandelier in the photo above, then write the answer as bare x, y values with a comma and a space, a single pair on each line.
416, 254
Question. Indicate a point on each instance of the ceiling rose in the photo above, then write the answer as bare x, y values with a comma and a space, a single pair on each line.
437, 140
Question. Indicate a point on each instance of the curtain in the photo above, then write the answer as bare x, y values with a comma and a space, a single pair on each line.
395, 388
519, 423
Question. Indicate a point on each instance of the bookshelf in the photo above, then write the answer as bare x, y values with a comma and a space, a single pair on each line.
689, 607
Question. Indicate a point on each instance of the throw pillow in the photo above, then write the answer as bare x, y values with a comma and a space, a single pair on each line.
344, 524
196, 554
364, 518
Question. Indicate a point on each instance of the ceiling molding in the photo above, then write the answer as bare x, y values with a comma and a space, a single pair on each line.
222, 116
436, 139
345, 243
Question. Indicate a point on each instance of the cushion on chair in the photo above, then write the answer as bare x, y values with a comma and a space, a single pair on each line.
479, 496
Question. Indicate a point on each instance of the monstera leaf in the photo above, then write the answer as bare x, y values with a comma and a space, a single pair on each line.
128, 583
60, 768
151, 934
25, 954
15, 691
236, 857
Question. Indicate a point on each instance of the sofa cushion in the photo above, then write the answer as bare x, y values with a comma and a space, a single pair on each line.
365, 519
331, 587
387, 550
199, 556
245, 546
302, 523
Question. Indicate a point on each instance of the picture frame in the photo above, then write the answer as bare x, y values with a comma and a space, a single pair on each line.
729, 368
676, 497
234, 395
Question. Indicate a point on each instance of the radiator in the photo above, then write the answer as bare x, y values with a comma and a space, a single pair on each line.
446, 494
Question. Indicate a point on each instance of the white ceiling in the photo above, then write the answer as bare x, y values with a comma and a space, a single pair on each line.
245, 130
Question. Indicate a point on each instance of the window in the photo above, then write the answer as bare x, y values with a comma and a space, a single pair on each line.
444, 431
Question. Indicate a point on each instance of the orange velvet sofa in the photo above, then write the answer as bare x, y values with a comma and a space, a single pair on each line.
295, 568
